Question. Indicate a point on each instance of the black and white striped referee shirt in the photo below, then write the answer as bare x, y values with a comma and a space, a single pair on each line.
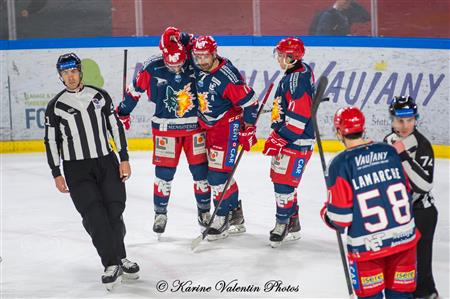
77, 126
418, 163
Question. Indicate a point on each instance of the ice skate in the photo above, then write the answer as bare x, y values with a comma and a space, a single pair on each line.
203, 220
219, 228
112, 276
130, 269
160, 224
278, 234
294, 229
237, 225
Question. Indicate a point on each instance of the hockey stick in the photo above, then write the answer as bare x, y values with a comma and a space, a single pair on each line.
200, 238
321, 86
125, 54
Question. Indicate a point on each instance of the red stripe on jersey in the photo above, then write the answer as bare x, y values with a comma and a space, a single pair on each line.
143, 82
341, 224
341, 194
295, 129
235, 93
300, 106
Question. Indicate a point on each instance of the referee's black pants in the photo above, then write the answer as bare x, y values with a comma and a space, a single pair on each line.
426, 220
99, 196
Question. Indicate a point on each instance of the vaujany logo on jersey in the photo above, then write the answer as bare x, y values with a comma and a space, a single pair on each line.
370, 159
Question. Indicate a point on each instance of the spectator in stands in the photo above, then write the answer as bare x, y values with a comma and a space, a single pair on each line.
338, 19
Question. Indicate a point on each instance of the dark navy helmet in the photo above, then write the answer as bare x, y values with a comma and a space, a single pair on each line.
68, 61
403, 107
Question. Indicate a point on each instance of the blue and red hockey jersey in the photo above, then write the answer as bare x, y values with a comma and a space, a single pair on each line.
291, 111
368, 193
174, 96
222, 92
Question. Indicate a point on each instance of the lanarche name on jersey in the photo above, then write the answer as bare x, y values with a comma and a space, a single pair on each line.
376, 177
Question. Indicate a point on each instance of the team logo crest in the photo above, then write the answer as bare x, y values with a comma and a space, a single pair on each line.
277, 110
203, 102
180, 101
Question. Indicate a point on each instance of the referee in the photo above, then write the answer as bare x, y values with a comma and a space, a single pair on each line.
77, 122
417, 158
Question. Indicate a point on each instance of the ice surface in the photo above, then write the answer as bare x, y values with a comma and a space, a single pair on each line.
47, 253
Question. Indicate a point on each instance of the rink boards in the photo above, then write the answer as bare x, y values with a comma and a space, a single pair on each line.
364, 72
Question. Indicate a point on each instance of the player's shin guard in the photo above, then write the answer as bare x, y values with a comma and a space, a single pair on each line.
162, 187
202, 193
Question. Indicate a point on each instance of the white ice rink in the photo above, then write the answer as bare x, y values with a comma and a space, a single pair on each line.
47, 254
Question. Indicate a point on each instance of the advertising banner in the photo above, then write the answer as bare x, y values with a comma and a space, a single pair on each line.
364, 77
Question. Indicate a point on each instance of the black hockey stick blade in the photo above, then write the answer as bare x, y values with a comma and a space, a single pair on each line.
203, 235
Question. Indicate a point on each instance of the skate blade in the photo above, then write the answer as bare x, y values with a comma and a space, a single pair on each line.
130, 276
217, 237
293, 236
109, 286
237, 229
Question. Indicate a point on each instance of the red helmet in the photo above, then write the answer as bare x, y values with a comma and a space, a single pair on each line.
174, 55
349, 120
171, 34
291, 46
204, 44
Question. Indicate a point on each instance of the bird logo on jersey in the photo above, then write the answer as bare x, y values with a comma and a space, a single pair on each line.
277, 110
203, 102
180, 101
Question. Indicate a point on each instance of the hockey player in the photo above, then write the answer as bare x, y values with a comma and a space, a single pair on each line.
227, 111
417, 158
169, 82
368, 194
291, 140
76, 124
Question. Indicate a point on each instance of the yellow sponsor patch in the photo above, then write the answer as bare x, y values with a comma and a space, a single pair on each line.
405, 276
372, 280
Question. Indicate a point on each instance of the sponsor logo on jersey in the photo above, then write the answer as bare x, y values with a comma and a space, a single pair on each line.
198, 141
372, 281
180, 101
215, 159
233, 143
280, 163
371, 159
165, 147
354, 274
298, 167
405, 277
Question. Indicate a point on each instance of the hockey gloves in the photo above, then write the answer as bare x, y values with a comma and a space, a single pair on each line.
247, 138
274, 144
124, 119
